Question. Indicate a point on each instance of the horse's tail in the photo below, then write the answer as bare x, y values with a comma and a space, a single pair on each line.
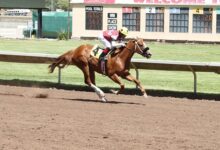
56, 63
60, 62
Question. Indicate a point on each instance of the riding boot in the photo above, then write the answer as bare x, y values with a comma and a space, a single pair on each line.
104, 53
102, 59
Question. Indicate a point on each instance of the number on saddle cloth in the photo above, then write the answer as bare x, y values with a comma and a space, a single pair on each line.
96, 51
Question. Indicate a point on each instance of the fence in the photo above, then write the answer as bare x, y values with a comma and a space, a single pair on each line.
54, 23
135, 63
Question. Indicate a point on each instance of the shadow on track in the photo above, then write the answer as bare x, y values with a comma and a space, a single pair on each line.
128, 91
99, 101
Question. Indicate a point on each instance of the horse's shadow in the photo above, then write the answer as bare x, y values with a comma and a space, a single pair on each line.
99, 101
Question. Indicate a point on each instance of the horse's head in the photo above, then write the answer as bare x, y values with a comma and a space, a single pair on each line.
138, 46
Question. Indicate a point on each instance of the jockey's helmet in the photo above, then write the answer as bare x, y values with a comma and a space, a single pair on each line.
124, 31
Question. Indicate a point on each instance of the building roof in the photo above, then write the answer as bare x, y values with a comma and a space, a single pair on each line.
24, 4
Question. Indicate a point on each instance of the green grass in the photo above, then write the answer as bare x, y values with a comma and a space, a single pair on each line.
157, 80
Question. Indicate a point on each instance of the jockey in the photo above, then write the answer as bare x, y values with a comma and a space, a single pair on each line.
109, 38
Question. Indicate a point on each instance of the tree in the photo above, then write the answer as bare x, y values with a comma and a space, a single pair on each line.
63, 4
57, 4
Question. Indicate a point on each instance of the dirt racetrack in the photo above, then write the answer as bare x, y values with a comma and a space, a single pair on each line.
73, 120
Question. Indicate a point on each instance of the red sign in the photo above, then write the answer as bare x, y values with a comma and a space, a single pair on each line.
127, 9
192, 2
162, 2
99, 1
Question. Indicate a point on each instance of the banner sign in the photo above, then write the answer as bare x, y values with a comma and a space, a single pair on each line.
153, 2
112, 15
174, 2
112, 27
99, 1
112, 21
127, 9
93, 8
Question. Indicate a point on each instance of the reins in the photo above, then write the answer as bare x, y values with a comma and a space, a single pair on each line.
136, 45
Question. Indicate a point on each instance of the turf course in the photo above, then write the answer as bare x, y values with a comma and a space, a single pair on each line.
156, 80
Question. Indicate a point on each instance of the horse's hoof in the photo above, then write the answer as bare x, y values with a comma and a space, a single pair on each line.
104, 100
145, 95
114, 91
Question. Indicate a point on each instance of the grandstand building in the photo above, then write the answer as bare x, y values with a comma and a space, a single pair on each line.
175, 20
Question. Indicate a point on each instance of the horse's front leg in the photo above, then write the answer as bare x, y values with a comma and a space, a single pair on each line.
116, 79
129, 77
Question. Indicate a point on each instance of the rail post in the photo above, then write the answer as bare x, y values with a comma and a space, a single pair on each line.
137, 72
59, 75
195, 79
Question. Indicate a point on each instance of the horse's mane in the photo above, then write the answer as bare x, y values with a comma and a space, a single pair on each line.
117, 51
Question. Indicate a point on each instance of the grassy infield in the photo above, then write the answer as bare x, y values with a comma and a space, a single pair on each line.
156, 80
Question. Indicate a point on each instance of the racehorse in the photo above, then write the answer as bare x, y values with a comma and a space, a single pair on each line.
117, 65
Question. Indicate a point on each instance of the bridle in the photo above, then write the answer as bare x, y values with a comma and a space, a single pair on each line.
135, 48
137, 45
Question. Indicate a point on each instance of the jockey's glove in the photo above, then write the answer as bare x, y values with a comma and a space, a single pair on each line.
116, 44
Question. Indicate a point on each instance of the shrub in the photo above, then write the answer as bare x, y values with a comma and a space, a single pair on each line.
63, 35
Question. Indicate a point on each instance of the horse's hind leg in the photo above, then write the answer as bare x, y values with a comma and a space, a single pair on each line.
87, 79
116, 79
129, 77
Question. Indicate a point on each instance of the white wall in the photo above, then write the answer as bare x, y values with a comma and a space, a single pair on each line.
79, 25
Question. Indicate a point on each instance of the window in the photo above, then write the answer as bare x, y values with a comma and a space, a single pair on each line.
202, 23
94, 17
131, 18
154, 19
179, 19
218, 24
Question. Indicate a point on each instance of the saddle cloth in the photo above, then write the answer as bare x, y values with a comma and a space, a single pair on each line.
96, 52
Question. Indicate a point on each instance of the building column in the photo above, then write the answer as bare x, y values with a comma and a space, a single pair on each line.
214, 20
143, 20
190, 20
39, 34
166, 20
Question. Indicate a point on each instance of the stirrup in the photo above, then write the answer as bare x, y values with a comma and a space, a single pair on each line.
103, 66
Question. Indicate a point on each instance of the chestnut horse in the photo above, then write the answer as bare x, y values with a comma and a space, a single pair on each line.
118, 64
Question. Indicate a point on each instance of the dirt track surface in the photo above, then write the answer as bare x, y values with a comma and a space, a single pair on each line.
73, 120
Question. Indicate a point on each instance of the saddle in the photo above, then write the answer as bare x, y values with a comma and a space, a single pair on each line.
98, 53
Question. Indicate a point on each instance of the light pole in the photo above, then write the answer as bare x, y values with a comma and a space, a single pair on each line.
68, 21
51, 5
